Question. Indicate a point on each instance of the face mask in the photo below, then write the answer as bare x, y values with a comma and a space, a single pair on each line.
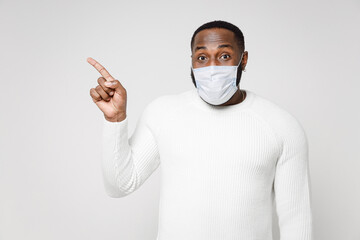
216, 84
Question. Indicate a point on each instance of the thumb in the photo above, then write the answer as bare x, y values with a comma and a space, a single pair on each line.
115, 84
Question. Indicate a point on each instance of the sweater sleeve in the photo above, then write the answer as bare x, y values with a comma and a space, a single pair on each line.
292, 185
128, 162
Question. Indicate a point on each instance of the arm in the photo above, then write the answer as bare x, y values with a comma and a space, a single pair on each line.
292, 186
128, 162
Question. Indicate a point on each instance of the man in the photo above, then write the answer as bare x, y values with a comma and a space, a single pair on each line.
227, 154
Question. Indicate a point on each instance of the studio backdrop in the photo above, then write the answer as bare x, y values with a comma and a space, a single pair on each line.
303, 56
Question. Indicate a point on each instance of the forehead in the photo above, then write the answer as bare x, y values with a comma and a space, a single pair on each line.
214, 36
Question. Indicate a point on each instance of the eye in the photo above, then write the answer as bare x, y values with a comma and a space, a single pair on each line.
201, 58
225, 56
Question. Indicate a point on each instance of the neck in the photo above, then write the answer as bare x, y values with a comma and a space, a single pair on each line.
237, 98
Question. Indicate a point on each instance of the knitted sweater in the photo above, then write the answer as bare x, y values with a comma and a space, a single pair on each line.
222, 167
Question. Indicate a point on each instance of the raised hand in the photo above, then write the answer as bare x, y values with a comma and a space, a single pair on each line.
110, 96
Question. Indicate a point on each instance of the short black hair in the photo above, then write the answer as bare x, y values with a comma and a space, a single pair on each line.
222, 24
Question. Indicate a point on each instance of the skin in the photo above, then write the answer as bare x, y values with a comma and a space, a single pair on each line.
110, 96
209, 49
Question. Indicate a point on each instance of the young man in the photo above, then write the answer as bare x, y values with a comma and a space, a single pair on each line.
227, 154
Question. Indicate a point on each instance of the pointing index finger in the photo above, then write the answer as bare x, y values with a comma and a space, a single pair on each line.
100, 69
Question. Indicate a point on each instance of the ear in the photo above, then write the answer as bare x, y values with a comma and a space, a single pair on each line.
244, 60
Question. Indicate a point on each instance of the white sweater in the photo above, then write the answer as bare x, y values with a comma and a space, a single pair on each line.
222, 167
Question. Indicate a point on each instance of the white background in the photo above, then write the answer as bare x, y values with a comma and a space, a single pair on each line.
303, 55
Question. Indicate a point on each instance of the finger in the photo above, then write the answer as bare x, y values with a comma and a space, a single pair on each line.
116, 85
100, 68
95, 96
101, 82
102, 93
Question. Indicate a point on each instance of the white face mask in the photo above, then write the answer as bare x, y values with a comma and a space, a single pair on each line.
216, 84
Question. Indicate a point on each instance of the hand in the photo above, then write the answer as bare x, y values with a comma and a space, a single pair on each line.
110, 96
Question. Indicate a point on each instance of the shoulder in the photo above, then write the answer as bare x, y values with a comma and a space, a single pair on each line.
168, 101
286, 126
157, 112
163, 105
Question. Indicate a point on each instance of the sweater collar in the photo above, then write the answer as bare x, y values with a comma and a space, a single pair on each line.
196, 100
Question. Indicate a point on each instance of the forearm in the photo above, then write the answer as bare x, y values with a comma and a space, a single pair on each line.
117, 165
294, 208
128, 162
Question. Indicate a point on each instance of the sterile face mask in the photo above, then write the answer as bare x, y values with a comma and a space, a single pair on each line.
216, 84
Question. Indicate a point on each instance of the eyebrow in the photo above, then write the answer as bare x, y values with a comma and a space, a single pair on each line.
220, 46
225, 45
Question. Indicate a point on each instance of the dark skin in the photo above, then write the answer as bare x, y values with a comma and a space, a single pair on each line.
218, 47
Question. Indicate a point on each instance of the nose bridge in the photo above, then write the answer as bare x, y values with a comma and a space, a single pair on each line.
213, 61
